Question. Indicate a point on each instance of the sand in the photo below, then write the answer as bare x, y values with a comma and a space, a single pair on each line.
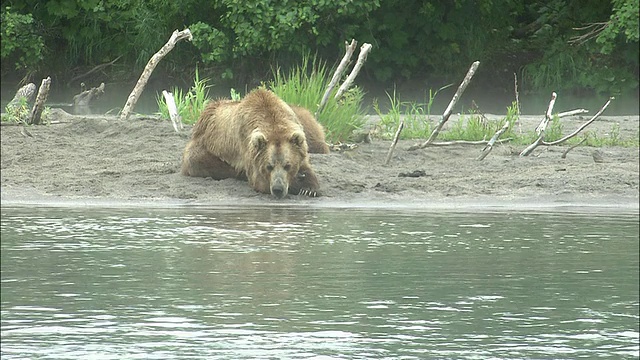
100, 160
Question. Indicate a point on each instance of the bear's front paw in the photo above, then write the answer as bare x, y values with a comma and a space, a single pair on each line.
309, 193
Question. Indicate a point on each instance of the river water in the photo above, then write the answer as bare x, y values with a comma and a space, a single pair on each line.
276, 283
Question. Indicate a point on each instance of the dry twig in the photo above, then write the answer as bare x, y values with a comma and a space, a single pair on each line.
487, 149
564, 154
394, 143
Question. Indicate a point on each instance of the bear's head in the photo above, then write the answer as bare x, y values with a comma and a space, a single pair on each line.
277, 161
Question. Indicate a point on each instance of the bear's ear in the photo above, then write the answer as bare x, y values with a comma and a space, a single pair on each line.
297, 138
258, 140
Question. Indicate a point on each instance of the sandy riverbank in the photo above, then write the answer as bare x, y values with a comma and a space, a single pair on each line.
103, 161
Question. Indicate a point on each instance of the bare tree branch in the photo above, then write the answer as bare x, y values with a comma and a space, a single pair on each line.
362, 57
350, 48
560, 141
151, 65
447, 112
542, 127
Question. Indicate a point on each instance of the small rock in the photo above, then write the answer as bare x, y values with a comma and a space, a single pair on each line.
597, 156
414, 173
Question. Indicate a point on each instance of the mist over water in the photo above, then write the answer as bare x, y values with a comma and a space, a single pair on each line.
240, 283
489, 101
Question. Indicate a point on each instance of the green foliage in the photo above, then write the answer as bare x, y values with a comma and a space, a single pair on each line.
241, 40
417, 122
554, 129
305, 85
189, 104
605, 66
613, 138
438, 37
471, 128
211, 42
20, 42
622, 23
265, 26
17, 112
235, 95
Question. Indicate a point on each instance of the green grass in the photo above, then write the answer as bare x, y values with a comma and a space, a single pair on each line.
613, 139
189, 104
472, 127
304, 85
416, 116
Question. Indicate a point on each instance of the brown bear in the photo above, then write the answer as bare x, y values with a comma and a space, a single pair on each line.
312, 130
259, 138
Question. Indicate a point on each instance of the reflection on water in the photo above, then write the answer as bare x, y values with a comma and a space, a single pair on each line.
350, 284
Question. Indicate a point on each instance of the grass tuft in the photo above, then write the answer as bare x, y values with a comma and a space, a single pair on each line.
189, 104
304, 85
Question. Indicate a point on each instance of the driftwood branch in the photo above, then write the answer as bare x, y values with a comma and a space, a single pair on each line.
572, 113
350, 48
18, 108
82, 100
560, 141
96, 68
173, 111
518, 109
447, 112
151, 65
466, 142
394, 143
43, 92
362, 57
515, 89
85, 97
487, 149
24, 94
542, 127
564, 154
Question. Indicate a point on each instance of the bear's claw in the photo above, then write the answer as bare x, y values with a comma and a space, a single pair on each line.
308, 193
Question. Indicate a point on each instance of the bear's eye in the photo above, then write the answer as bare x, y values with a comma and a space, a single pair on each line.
287, 167
269, 167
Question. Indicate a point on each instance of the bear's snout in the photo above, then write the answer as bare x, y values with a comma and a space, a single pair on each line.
279, 185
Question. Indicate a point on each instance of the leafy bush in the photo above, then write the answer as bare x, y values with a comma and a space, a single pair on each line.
20, 43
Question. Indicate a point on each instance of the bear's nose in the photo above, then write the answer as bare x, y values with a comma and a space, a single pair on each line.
277, 191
